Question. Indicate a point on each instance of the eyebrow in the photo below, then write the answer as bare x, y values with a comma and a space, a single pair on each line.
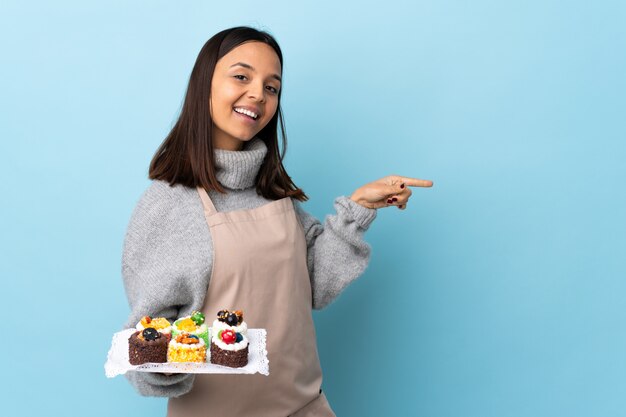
243, 64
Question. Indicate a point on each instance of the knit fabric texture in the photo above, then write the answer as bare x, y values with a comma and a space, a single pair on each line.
168, 253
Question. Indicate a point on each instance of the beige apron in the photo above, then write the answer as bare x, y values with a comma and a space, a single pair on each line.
259, 267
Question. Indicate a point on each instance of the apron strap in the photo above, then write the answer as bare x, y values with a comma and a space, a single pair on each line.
209, 208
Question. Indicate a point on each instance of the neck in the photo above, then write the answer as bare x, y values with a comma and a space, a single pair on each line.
237, 169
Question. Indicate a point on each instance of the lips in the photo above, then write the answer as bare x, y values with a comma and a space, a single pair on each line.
253, 109
245, 115
245, 118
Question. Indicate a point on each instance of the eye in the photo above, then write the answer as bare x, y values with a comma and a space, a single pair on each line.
274, 90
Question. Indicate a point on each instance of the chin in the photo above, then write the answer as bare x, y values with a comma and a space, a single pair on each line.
245, 138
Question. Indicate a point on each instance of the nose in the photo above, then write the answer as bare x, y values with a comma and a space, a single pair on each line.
257, 92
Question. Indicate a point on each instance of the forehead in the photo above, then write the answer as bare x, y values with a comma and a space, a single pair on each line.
259, 55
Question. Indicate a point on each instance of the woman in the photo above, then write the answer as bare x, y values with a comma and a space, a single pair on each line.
221, 227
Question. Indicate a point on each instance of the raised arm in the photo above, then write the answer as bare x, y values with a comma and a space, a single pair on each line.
337, 253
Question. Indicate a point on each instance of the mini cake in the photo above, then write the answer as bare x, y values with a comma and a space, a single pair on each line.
229, 347
186, 348
159, 323
194, 325
230, 321
147, 345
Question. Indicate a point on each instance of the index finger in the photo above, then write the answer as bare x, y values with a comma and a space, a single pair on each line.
416, 182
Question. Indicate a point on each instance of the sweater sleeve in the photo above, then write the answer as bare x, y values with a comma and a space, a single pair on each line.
154, 285
337, 253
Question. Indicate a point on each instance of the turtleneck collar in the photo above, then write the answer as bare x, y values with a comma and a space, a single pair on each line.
237, 170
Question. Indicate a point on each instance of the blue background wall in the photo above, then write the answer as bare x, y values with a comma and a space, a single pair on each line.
498, 292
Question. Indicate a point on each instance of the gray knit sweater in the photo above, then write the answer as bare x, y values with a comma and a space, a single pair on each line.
168, 253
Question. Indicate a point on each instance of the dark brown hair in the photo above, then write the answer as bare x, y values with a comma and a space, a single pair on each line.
186, 155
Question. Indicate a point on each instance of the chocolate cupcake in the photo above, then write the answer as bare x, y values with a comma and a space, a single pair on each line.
232, 359
148, 345
229, 342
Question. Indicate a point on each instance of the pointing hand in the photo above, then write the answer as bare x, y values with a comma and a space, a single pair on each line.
392, 190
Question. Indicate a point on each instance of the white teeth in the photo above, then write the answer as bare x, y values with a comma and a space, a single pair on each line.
246, 112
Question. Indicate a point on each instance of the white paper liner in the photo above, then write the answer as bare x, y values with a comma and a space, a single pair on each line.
117, 359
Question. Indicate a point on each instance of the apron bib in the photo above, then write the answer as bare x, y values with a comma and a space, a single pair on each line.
260, 267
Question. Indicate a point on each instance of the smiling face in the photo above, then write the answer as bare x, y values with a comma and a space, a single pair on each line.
246, 77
